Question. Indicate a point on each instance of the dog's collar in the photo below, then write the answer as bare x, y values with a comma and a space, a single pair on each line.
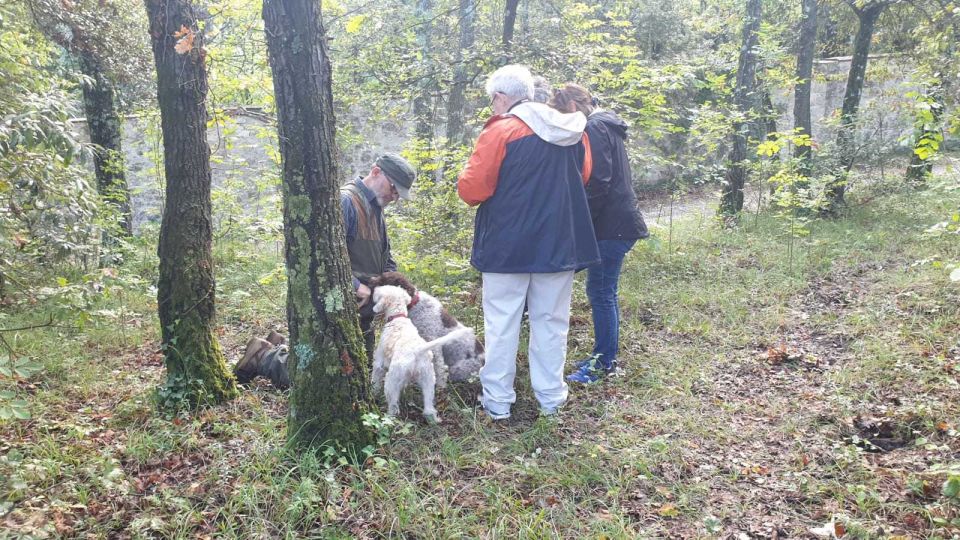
397, 316
416, 298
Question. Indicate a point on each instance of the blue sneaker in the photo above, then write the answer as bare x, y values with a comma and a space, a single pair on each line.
590, 372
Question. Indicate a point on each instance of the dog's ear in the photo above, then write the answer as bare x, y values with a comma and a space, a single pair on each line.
377, 299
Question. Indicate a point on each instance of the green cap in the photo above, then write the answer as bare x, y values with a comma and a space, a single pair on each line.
399, 171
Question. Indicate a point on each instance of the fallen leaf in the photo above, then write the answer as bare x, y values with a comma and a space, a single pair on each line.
185, 37
668, 510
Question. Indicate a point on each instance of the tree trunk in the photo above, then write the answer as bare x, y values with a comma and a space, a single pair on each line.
103, 123
846, 135
801, 93
509, 21
328, 364
731, 201
196, 369
99, 104
422, 102
455, 123
768, 121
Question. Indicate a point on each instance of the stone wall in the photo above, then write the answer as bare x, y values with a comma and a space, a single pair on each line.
885, 111
245, 161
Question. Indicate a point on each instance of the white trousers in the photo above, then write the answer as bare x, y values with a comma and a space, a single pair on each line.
547, 297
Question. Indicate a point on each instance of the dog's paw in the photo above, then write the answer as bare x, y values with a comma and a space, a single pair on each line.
432, 419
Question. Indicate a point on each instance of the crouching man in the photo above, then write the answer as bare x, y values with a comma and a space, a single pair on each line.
362, 201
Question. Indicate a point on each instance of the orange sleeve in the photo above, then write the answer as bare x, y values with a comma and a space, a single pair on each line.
587, 159
479, 178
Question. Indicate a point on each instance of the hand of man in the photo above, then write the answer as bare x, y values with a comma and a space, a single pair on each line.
363, 294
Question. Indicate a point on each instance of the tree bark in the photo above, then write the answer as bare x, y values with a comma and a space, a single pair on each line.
801, 94
509, 22
422, 102
196, 370
744, 96
103, 123
328, 364
846, 136
455, 105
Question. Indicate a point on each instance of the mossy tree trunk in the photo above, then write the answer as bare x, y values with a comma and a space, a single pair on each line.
867, 14
103, 122
196, 370
802, 122
455, 106
328, 364
731, 200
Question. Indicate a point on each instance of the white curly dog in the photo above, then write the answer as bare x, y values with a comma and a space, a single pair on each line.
403, 357
463, 357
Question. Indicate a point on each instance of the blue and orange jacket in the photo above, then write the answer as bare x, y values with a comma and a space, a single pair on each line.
527, 173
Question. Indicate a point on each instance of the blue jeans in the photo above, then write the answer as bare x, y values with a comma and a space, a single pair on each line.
602, 284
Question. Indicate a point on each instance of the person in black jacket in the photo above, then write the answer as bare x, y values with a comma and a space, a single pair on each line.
617, 223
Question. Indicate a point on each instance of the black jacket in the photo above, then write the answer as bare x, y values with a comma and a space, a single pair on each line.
613, 204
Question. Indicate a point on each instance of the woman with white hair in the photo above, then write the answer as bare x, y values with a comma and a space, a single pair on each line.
532, 231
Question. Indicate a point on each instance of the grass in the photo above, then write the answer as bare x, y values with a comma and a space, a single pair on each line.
753, 393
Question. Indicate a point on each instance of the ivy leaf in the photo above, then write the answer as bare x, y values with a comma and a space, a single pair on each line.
951, 488
25, 368
20, 409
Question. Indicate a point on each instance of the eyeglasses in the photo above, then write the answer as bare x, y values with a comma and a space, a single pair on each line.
393, 187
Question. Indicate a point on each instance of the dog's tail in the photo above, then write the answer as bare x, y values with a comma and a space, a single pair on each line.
443, 340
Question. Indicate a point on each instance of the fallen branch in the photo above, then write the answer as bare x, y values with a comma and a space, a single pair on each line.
31, 327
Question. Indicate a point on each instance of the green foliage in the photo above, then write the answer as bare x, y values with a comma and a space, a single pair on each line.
49, 204
386, 429
431, 237
12, 405
236, 58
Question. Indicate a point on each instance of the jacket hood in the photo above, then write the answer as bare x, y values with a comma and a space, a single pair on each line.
551, 125
612, 121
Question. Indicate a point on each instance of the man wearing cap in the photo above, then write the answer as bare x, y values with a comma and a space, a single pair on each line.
362, 201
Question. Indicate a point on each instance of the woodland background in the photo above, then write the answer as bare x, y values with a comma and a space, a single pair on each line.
790, 329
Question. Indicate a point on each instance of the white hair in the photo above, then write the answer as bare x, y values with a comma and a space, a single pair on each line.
513, 80
542, 90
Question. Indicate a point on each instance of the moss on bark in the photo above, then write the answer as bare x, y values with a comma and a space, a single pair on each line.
328, 364
197, 373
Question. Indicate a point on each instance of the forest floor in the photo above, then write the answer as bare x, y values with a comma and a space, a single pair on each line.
769, 388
